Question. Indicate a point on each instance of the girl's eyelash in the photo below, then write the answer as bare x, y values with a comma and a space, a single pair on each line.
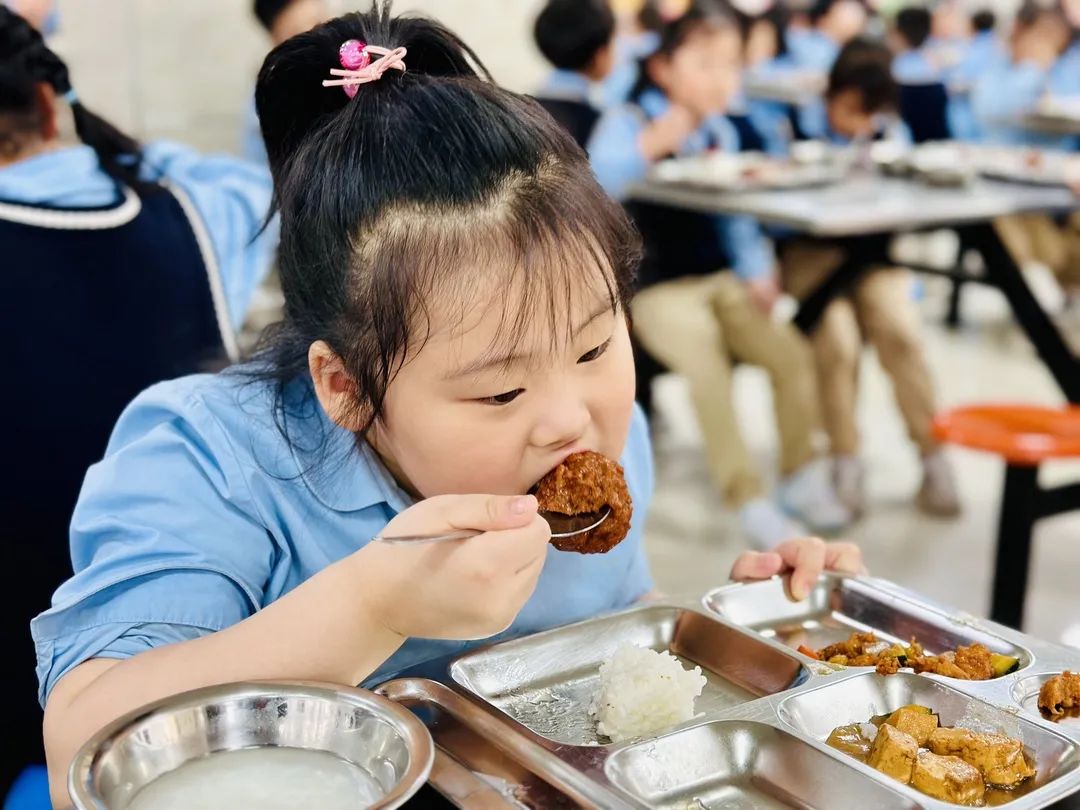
504, 398
594, 354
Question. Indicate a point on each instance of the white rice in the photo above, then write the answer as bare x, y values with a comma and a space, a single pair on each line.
643, 691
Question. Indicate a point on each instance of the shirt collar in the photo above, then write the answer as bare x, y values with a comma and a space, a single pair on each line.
70, 176
567, 85
343, 472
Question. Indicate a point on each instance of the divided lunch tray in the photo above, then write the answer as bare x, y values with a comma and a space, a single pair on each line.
512, 724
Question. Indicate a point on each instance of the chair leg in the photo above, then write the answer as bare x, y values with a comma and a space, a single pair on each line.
952, 317
1019, 511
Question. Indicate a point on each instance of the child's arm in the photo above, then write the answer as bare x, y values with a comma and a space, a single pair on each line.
232, 198
625, 144
338, 626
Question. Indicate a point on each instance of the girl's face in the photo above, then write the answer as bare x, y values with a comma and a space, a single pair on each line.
703, 72
761, 43
469, 414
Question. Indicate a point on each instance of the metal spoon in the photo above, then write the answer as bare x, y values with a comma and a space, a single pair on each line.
561, 526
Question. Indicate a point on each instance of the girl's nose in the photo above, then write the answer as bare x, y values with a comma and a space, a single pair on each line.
563, 420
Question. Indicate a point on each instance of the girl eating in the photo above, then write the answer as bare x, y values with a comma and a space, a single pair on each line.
456, 286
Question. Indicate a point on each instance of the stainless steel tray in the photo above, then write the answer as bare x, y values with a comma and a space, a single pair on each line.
759, 740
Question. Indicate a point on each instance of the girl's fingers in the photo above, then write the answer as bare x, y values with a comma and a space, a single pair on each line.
845, 558
756, 565
806, 559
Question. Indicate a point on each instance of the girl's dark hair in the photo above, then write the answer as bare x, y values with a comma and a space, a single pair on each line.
701, 15
865, 65
25, 62
778, 17
430, 184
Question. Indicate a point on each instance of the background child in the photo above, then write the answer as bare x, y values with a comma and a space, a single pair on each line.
577, 37
878, 308
227, 534
693, 315
913, 63
109, 248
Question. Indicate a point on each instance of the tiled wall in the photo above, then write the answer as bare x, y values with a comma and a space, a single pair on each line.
184, 69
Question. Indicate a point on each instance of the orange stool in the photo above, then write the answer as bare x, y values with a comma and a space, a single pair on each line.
1024, 436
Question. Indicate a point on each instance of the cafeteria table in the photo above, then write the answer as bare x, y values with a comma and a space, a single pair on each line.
865, 211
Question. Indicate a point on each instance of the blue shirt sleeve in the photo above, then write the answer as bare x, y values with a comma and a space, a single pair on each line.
1003, 93
232, 197
614, 153
751, 255
166, 542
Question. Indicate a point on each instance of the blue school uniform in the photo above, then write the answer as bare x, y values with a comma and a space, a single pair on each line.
812, 50
983, 53
230, 198
567, 96
618, 162
1009, 90
629, 51
915, 67
201, 513
121, 290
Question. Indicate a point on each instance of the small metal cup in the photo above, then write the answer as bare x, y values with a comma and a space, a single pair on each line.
362, 728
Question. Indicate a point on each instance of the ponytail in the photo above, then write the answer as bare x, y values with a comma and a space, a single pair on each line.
25, 61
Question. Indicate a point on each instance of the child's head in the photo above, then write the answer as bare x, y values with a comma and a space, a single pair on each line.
840, 20
36, 97
983, 21
861, 87
577, 35
765, 36
913, 27
455, 279
949, 21
287, 18
699, 60
1038, 29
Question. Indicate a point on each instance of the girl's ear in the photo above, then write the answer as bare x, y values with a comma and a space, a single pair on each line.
334, 387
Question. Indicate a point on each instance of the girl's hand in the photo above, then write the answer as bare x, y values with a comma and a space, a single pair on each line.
665, 135
461, 590
804, 559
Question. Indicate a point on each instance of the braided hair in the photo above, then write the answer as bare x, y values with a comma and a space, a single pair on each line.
25, 62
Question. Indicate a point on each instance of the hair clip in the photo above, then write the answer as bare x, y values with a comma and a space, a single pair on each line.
358, 67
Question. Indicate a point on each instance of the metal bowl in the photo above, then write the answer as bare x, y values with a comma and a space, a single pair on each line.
364, 729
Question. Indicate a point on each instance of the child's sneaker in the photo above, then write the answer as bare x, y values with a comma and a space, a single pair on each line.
938, 495
849, 482
808, 496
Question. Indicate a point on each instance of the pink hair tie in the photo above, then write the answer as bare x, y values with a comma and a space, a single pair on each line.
358, 67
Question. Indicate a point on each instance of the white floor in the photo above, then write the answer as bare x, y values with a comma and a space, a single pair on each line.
692, 539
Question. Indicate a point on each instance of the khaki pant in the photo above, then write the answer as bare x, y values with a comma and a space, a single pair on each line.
696, 326
1037, 238
879, 308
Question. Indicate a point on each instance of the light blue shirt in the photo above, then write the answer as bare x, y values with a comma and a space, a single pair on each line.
1008, 90
915, 67
201, 514
810, 49
567, 85
629, 51
1065, 74
618, 162
231, 197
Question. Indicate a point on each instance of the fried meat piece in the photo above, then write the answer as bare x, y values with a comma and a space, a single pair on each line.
939, 665
588, 482
1060, 693
975, 661
851, 647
